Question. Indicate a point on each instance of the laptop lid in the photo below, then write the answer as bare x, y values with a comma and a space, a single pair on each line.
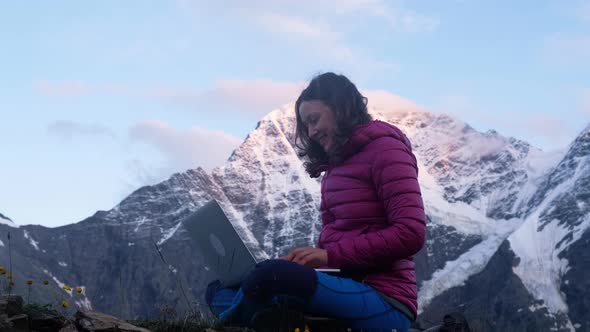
221, 246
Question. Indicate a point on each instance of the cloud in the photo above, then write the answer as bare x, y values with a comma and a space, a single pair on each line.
78, 88
324, 27
394, 15
324, 32
142, 173
68, 130
381, 99
546, 125
197, 147
567, 50
316, 35
66, 88
256, 97
540, 126
414, 22
584, 10
297, 26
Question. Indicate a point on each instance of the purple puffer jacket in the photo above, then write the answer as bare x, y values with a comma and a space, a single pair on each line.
372, 212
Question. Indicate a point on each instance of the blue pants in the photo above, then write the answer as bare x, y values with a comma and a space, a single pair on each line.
355, 304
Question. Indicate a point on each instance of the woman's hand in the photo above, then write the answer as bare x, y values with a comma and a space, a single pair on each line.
308, 256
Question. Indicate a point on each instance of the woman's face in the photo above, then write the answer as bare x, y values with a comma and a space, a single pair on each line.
320, 121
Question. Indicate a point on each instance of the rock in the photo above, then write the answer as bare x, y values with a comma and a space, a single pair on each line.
5, 325
90, 321
14, 304
47, 321
3, 304
19, 322
69, 327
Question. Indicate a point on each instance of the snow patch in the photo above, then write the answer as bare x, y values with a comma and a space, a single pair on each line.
64, 264
31, 241
168, 234
129, 244
84, 303
534, 307
540, 268
456, 272
59, 283
2, 244
462, 216
139, 223
172, 268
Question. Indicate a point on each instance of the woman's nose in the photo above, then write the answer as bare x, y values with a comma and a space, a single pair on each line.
311, 131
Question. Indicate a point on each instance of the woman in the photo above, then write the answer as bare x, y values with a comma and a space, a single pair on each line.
372, 215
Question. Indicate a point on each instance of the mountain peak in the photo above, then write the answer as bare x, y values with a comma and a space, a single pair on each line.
582, 143
580, 147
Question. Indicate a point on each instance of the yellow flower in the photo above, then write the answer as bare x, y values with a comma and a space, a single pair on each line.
9, 276
79, 290
29, 282
306, 329
68, 288
297, 329
64, 304
45, 282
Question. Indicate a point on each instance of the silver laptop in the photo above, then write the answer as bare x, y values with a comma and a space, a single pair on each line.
224, 251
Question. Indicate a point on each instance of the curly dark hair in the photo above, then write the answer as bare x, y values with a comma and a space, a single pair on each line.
350, 109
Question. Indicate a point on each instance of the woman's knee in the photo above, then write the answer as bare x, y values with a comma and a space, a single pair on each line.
277, 276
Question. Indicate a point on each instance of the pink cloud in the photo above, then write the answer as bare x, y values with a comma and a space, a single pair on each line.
389, 101
541, 127
257, 97
196, 147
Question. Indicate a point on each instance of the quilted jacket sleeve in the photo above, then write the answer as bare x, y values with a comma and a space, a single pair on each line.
395, 176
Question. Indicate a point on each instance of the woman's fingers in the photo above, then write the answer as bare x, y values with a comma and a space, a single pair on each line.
312, 258
307, 256
295, 253
304, 257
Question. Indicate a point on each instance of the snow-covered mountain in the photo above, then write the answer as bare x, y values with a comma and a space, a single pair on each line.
506, 226
551, 240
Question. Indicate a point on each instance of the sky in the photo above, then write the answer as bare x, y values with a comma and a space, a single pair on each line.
100, 98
